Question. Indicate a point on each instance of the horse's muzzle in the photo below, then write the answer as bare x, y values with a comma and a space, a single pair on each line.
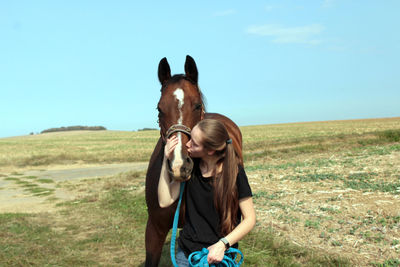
181, 172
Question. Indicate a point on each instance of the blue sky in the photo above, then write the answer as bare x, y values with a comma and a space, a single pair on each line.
65, 63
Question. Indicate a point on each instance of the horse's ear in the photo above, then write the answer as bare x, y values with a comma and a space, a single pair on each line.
164, 71
191, 69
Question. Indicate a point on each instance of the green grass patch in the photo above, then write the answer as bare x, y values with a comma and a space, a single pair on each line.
380, 150
24, 242
372, 237
336, 243
381, 137
17, 173
329, 210
312, 224
45, 181
30, 185
266, 195
366, 182
264, 248
284, 166
311, 148
389, 135
12, 179
388, 263
123, 202
288, 218
316, 177
363, 176
39, 191
22, 182
30, 177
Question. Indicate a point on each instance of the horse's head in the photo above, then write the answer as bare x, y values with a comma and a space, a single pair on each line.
179, 109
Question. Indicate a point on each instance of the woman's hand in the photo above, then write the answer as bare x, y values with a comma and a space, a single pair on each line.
216, 252
168, 191
170, 146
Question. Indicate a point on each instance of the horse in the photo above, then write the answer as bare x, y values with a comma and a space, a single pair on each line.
180, 107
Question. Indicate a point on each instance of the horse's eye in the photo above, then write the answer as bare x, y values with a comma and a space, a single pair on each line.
198, 106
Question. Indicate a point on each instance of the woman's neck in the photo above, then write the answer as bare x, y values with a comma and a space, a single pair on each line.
208, 166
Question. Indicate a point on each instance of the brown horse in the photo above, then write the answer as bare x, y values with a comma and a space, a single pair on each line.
180, 108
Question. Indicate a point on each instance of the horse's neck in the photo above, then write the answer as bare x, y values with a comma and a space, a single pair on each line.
157, 155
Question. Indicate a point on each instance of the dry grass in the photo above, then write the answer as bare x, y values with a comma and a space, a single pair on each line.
76, 147
332, 187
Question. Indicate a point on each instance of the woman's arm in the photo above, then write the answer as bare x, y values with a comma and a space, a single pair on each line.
216, 251
247, 224
168, 190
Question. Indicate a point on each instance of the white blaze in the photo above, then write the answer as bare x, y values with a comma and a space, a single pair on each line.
179, 95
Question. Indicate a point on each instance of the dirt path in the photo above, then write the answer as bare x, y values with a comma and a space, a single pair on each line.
39, 190
88, 172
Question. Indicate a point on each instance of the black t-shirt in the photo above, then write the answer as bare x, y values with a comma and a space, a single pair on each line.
202, 222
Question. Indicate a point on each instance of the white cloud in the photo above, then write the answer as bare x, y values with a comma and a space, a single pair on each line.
269, 8
224, 13
280, 34
328, 3
337, 48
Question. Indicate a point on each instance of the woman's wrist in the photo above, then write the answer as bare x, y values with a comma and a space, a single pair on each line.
225, 242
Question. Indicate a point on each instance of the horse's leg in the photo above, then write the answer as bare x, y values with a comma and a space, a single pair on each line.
155, 238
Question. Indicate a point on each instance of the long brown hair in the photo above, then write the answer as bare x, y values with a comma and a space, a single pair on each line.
215, 137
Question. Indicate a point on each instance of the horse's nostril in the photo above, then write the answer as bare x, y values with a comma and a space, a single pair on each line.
187, 166
189, 162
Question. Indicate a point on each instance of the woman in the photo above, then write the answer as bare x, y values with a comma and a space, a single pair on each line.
217, 195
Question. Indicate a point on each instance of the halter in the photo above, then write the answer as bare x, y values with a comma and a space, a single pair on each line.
176, 128
173, 129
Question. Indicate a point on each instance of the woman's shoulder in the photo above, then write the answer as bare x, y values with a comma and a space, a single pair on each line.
241, 171
242, 183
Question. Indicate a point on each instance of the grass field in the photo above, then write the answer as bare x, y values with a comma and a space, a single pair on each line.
76, 147
326, 194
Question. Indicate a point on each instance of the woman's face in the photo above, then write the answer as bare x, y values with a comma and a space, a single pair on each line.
195, 146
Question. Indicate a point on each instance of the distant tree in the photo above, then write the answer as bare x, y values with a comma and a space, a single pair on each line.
75, 128
147, 129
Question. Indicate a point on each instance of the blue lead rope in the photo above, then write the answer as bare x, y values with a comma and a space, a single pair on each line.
199, 258
175, 225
